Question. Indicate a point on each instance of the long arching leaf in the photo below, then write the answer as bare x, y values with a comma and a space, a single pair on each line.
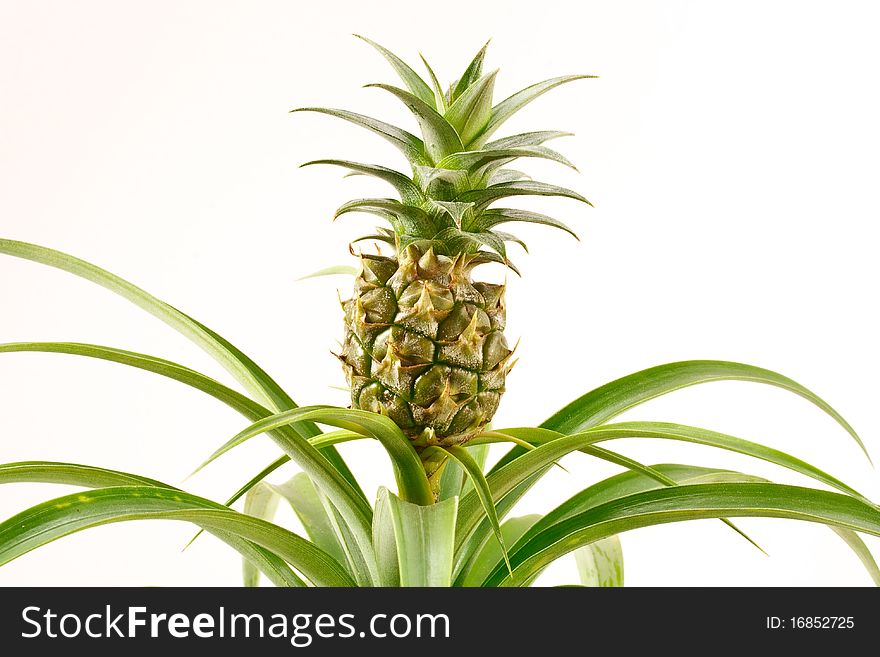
324, 526
857, 545
483, 197
304, 499
250, 375
699, 436
481, 488
244, 405
407, 189
512, 104
439, 137
470, 544
610, 400
489, 554
283, 402
329, 438
349, 500
523, 470
411, 79
633, 481
690, 502
66, 515
410, 145
408, 470
453, 482
72, 474
255, 381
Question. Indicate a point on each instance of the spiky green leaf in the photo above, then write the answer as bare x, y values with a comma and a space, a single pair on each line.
410, 145
479, 163
439, 97
492, 217
410, 78
484, 197
405, 218
408, 191
470, 112
512, 104
501, 176
439, 137
471, 74
535, 138
454, 481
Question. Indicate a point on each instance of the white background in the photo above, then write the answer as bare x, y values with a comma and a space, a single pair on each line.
730, 149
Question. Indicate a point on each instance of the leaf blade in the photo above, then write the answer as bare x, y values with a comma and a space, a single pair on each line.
481, 488
302, 496
512, 104
411, 146
471, 74
423, 535
260, 502
73, 474
439, 137
470, 112
62, 516
256, 382
600, 564
353, 504
404, 186
606, 402
411, 79
408, 470
484, 197
690, 502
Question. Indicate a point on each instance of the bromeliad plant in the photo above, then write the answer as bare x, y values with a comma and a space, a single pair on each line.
426, 361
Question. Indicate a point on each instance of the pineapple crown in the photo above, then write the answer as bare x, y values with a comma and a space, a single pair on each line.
447, 205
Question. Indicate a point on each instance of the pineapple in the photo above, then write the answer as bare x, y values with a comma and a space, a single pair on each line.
424, 342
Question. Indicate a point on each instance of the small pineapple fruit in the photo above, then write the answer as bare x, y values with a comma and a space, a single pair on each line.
424, 343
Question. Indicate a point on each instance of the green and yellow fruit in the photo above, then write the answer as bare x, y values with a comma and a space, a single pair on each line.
424, 343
